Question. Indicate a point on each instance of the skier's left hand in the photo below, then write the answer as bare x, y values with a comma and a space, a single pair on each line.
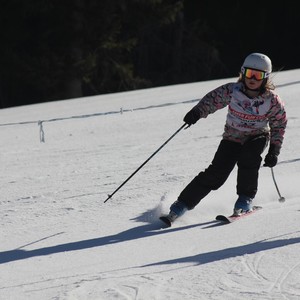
271, 160
272, 156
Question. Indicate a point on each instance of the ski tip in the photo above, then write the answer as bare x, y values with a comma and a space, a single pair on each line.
222, 218
257, 207
166, 221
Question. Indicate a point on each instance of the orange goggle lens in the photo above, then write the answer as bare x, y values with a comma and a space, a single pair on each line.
258, 75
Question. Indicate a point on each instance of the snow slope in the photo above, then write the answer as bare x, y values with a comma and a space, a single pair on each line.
59, 240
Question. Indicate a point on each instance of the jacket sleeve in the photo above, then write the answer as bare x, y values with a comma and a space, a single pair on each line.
277, 122
214, 100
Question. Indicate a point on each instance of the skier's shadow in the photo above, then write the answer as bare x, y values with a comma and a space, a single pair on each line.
138, 232
213, 256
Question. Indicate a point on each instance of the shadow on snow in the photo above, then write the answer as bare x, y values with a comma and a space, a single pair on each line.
138, 232
145, 231
205, 258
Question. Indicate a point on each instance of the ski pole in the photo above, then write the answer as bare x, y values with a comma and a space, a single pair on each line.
109, 196
281, 199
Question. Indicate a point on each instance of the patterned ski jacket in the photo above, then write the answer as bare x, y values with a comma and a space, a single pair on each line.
247, 117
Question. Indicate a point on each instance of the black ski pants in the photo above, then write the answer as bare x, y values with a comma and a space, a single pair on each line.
248, 158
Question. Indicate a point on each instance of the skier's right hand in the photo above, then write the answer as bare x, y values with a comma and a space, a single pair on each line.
192, 116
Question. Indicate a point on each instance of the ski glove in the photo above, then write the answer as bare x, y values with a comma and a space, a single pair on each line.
272, 156
192, 116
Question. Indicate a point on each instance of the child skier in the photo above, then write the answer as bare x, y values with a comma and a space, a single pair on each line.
256, 117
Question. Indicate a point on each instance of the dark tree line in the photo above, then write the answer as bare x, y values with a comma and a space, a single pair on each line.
53, 50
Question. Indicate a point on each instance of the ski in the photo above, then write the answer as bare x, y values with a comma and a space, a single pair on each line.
168, 220
233, 218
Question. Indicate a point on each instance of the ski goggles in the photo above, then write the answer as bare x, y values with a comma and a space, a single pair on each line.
256, 74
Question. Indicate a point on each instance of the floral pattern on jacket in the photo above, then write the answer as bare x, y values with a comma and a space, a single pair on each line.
247, 117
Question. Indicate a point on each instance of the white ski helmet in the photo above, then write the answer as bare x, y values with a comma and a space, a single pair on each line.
258, 61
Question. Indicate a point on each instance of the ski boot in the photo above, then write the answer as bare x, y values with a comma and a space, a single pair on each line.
242, 205
177, 209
